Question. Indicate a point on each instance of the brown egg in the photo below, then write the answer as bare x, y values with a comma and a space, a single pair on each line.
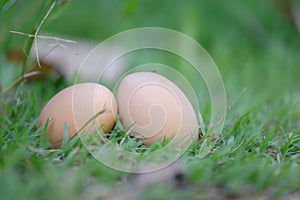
76, 106
156, 108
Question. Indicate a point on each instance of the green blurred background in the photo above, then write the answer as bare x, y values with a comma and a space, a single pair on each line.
254, 43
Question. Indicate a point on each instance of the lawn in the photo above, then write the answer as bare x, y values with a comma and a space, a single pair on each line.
256, 46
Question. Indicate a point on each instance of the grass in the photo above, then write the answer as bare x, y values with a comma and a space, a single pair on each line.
258, 153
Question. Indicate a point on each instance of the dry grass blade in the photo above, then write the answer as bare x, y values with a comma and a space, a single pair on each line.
38, 29
44, 37
21, 78
35, 36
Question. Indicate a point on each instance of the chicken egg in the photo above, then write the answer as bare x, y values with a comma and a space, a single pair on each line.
78, 106
154, 108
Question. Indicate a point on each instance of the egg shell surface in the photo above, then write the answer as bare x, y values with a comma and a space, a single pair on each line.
155, 108
76, 106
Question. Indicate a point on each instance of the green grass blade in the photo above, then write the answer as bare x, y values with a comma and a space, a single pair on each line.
6, 6
66, 136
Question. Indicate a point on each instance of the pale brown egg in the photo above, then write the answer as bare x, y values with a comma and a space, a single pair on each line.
155, 108
82, 107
